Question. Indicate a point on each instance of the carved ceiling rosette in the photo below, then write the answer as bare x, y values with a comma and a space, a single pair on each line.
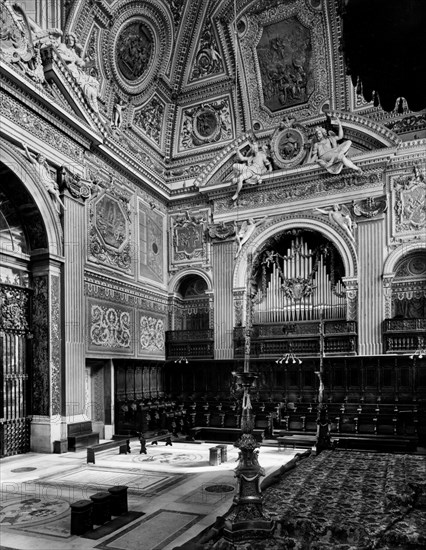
284, 53
204, 124
139, 45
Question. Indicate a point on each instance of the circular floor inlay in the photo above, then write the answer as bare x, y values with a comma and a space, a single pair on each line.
176, 459
24, 469
219, 489
32, 510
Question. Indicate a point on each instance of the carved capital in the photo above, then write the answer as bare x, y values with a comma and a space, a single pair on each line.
78, 187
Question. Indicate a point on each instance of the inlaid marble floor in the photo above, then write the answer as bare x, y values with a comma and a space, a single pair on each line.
175, 491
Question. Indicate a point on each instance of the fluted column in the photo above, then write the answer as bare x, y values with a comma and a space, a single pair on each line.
371, 241
74, 311
223, 263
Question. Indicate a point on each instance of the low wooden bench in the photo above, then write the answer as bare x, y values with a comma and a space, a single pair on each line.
378, 443
80, 436
159, 437
302, 441
213, 433
122, 444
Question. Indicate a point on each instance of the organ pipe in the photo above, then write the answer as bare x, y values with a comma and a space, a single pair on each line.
298, 288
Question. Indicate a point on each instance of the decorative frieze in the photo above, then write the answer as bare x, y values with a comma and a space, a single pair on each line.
26, 119
285, 191
119, 293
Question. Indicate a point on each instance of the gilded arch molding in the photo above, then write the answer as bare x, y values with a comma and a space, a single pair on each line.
276, 225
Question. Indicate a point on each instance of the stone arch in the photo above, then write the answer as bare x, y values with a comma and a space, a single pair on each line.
22, 169
391, 262
396, 255
179, 315
178, 277
333, 233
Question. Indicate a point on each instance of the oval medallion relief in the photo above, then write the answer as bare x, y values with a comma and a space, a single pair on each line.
134, 51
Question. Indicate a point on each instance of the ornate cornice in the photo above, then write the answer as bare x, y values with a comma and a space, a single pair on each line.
282, 188
43, 127
109, 289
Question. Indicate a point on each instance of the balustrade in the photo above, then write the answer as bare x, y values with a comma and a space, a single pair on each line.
403, 335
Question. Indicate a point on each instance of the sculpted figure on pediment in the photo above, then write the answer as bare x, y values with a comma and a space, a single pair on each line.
70, 52
16, 42
328, 153
251, 167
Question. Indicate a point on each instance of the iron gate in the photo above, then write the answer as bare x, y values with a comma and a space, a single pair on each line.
15, 349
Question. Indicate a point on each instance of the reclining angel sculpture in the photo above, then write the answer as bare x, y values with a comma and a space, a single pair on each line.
328, 153
251, 167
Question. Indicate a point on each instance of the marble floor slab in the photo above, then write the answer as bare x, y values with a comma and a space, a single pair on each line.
175, 488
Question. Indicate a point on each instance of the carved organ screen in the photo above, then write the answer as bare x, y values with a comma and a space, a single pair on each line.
298, 275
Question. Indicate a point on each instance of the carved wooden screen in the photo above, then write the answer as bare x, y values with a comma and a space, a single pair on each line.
14, 361
297, 277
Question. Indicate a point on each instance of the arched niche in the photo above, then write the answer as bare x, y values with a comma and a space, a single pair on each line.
401, 280
270, 231
19, 181
29, 276
277, 226
190, 302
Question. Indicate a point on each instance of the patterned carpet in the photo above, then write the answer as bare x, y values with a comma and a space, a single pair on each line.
346, 500
364, 500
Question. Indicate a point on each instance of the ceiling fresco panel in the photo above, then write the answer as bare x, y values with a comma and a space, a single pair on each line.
284, 52
285, 60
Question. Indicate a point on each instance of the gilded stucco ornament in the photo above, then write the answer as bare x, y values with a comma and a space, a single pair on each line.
148, 119
206, 123
289, 144
409, 199
369, 207
208, 60
16, 42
